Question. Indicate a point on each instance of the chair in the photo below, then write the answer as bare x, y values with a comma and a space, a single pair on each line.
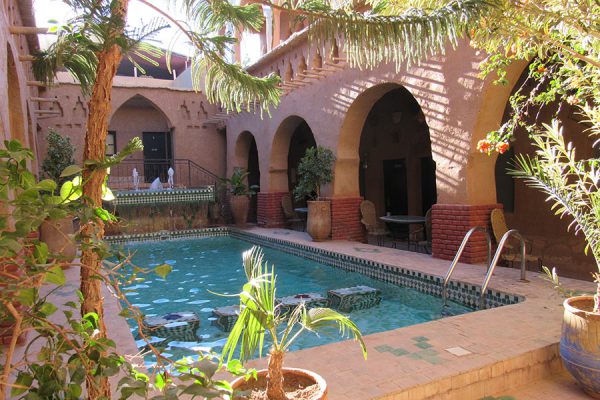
513, 253
372, 225
291, 218
425, 244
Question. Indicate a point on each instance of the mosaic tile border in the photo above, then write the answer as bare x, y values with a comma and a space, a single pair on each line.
461, 292
145, 197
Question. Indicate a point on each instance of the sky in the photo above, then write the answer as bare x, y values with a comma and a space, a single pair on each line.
138, 15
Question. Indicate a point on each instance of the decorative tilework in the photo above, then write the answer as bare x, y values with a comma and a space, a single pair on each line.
146, 197
460, 292
428, 354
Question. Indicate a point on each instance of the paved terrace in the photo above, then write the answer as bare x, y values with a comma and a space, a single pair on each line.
510, 352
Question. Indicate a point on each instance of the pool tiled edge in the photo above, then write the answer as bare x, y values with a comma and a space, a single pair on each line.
461, 292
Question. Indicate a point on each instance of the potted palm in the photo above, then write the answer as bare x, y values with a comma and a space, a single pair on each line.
259, 315
573, 186
240, 192
316, 169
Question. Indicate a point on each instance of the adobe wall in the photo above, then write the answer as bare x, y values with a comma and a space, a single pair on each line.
183, 111
17, 116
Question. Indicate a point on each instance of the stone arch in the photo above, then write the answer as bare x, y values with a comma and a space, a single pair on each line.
16, 114
246, 157
345, 183
137, 99
140, 117
480, 168
278, 169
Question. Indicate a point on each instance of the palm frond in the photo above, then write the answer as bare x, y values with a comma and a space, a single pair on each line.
316, 319
410, 37
571, 185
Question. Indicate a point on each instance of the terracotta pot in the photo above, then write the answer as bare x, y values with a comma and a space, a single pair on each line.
59, 236
318, 221
240, 383
239, 209
580, 343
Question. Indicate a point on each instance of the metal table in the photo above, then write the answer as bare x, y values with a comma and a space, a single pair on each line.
404, 220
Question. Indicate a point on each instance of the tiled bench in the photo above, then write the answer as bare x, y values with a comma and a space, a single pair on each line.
354, 298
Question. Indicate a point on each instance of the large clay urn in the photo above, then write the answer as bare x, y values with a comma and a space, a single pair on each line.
318, 221
241, 384
239, 208
580, 343
59, 236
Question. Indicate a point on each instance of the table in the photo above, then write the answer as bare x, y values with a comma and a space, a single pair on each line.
304, 214
404, 220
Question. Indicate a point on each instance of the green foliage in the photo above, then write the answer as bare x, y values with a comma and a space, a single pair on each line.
315, 169
259, 315
58, 157
236, 184
570, 184
60, 357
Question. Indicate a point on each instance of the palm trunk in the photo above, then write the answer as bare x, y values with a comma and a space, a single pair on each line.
275, 376
99, 107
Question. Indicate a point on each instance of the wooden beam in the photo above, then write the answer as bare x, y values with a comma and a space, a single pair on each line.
325, 69
308, 76
334, 65
48, 112
36, 83
26, 58
29, 30
44, 99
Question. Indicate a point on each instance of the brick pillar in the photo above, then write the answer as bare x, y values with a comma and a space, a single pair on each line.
269, 213
450, 223
345, 219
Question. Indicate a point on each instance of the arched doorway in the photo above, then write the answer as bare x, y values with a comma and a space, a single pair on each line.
16, 113
139, 117
291, 140
526, 208
396, 169
246, 156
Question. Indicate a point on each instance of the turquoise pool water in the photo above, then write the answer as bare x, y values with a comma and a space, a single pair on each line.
201, 266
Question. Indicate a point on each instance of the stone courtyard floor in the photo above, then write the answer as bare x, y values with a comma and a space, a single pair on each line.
509, 352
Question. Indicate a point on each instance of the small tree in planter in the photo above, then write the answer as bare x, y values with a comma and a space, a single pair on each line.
239, 191
58, 156
259, 314
316, 169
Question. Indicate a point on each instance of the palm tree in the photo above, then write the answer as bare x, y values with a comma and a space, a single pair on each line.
259, 314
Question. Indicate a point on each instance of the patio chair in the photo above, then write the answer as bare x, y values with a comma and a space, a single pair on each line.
371, 223
512, 252
425, 244
291, 217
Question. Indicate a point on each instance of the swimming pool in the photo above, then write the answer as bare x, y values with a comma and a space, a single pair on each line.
202, 266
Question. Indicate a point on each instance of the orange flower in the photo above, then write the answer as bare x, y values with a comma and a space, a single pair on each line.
501, 147
484, 146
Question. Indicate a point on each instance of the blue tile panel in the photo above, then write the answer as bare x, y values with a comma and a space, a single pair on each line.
461, 292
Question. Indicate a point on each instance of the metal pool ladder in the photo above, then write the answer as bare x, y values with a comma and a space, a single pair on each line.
491, 263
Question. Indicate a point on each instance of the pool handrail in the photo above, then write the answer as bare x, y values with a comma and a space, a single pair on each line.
459, 253
492, 266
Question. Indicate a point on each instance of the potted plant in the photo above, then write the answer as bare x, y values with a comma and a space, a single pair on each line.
259, 315
573, 186
240, 192
316, 169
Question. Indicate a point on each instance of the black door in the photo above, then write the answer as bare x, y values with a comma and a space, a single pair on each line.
396, 192
394, 186
157, 155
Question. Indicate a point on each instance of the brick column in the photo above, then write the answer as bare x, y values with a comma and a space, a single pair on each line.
269, 213
345, 219
450, 223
